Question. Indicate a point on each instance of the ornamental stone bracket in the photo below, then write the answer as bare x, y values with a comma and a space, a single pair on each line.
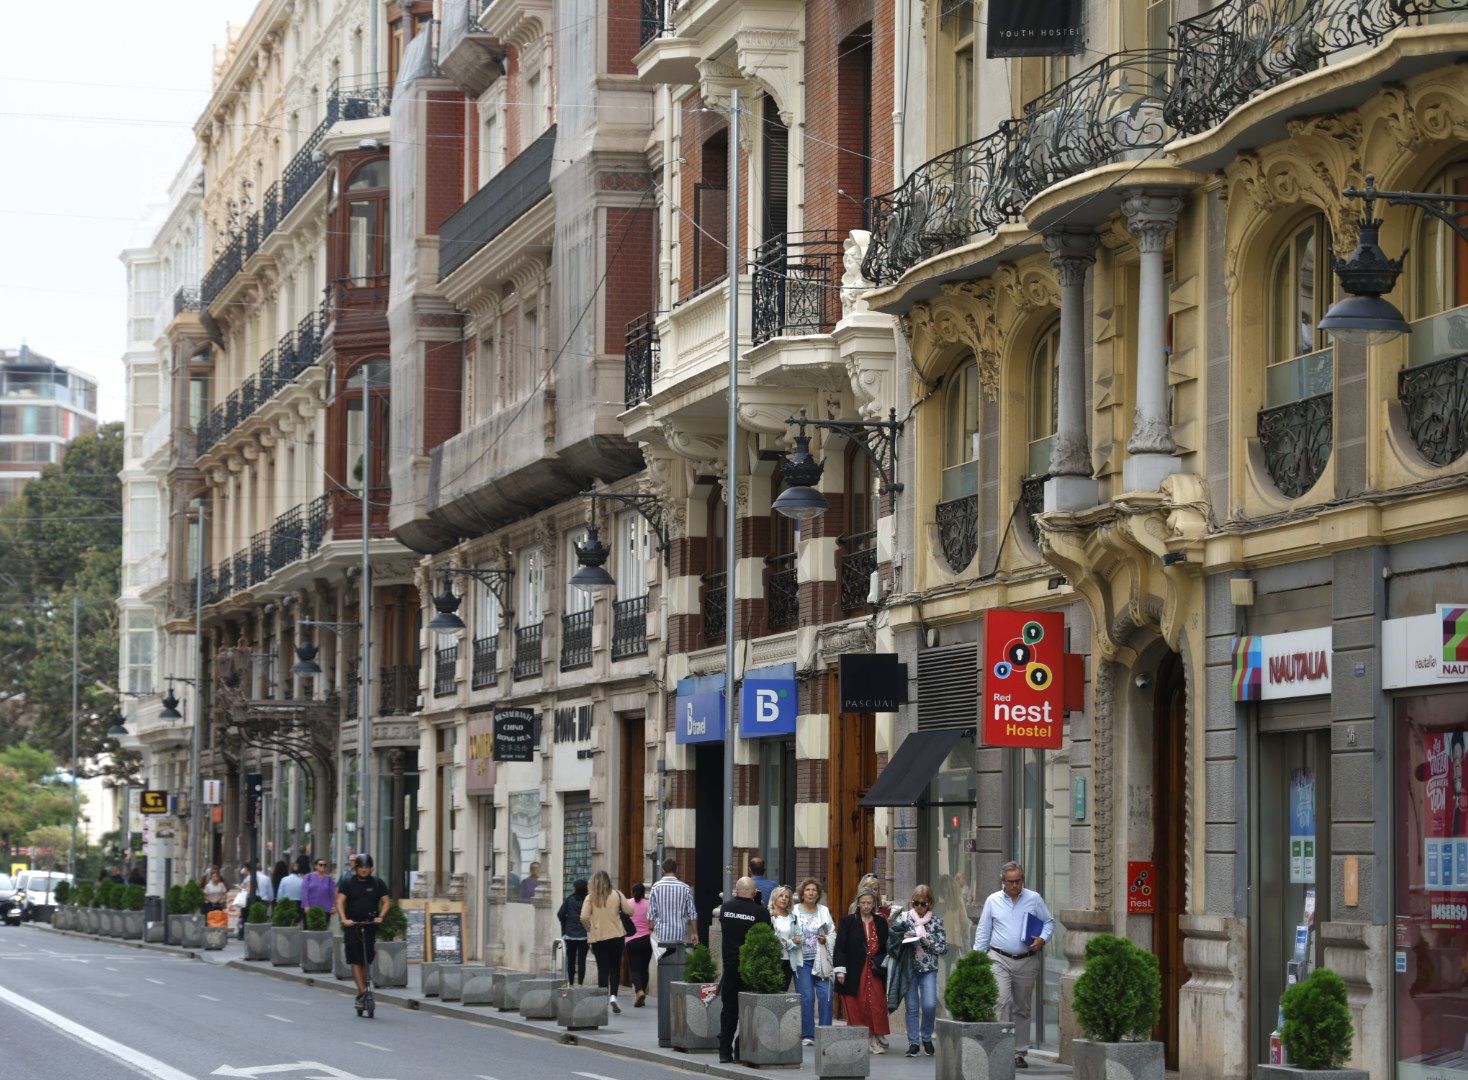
764, 410
774, 59
1112, 555
868, 342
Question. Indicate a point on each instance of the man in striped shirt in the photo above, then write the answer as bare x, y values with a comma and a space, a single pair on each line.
670, 910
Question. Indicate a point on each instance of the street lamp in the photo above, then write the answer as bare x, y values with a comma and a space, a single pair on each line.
447, 602
118, 730
306, 665
170, 706
1364, 314
591, 555
878, 438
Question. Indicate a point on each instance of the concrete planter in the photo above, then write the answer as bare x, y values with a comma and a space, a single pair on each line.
257, 941
450, 981
285, 946
154, 931
538, 999
843, 1052
111, 923
390, 964
339, 967
429, 978
693, 1022
1117, 1061
215, 938
174, 932
1292, 1072
974, 1051
581, 1007
514, 985
193, 931
497, 980
132, 925
769, 1029
316, 951
476, 986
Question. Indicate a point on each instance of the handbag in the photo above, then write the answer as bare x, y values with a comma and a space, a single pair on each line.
878, 964
823, 967
628, 926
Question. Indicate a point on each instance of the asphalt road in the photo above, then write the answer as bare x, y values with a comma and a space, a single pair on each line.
73, 1008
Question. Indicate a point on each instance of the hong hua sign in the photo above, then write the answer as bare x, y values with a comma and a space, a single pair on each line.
1024, 679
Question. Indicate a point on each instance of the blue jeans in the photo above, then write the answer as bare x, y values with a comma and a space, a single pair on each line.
922, 993
811, 990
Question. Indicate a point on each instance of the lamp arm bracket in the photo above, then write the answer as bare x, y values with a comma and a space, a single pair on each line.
496, 581
1439, 204
648, 506
877, 437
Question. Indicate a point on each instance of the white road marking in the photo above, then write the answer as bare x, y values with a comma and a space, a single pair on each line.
373, 1046
206, 997
594, 1076
282, 1019
136, 1059
112, 969
156, 982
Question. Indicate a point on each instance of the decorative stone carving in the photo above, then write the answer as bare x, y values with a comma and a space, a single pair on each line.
853, 283
774, 59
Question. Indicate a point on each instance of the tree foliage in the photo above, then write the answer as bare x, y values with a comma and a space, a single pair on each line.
1119, 995
1317, 1021
760, 969
28, 801
972, 991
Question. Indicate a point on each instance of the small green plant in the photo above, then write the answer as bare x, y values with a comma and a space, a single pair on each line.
133, 898
760, 970
1317, 1021
173, 900
112, 896
257, 913
84, 895
192, 897
1119, 995
699, 965
62, 892
972, 991
394, 924
287, 913
317, 919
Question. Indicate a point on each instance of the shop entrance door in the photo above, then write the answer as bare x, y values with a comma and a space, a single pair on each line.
708, 832
633, 865
1169, 842
853, 771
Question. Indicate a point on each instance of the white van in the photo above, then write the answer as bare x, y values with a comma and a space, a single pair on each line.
39, 886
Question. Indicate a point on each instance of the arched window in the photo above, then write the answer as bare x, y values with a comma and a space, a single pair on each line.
1299, 292
367, 236
1439, 270
961, 433
1040, 399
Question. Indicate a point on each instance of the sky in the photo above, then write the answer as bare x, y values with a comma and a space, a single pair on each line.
96, 117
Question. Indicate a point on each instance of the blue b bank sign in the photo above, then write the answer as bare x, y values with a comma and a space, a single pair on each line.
767, 705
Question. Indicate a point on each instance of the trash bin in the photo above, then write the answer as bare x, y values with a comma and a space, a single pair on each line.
674, 955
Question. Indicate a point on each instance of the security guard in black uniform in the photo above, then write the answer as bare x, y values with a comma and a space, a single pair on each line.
736, 916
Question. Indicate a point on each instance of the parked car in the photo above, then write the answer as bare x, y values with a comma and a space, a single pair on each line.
7, 887
39, 887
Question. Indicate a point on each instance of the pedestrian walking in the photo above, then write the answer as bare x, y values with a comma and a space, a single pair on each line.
639, 945
318, 890
215, 890
764, 886
913, 967
1013, 928
736, 916
601, 914
781, 901
860, 968
670, 911
290, 886
872, 882
361, 905
808, 943
573, 934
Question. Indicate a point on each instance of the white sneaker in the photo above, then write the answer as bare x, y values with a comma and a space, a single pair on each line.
807, 1042
876, 1047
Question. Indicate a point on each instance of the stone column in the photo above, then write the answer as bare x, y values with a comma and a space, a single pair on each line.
1071, 485
1151, 214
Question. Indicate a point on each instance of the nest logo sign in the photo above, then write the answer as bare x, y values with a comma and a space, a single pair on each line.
1024, 678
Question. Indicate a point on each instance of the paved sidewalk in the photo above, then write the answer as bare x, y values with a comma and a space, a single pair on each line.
633, 1034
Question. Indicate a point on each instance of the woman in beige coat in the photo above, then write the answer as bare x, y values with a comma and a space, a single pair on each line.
601, 914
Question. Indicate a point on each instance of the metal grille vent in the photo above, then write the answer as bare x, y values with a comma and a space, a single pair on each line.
948, 686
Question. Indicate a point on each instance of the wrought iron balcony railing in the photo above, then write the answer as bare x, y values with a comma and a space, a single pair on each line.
397, 689
1032, 503
797, 284
1435, 397
260, 557
186, 299
528, 660
352, 690
958, 531
1296, 441
782, 593
629, 627
445, 670
656, 20
858, 564
293, 354
715, 608
485, 664
642, 355
575, 640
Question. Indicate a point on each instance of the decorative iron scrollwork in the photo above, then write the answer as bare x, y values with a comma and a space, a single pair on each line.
641, 355
782, 590
797, 284
958, 531
1435, 397
715, 609
857, 568
1296, 439
1032, 503
575, 640
629, 627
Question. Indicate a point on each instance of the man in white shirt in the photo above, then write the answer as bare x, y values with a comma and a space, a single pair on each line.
1014, 927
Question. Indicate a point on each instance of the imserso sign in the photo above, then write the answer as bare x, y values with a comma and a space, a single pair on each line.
1024, 678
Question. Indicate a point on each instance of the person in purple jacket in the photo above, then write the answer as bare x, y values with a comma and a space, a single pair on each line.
319, 888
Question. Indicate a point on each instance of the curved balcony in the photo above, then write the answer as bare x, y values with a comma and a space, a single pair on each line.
296, 351
1435, 397
1296, 439
958, 531
797, 284
296, 534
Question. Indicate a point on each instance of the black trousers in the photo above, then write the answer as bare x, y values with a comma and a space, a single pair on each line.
608, 955
729, 988
576, 950
639, 957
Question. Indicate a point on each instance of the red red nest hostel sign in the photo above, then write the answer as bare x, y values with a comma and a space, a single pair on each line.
1024, 678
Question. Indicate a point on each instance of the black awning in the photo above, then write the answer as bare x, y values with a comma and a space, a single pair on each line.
912, 768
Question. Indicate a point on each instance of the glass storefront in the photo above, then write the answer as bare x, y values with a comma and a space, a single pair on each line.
1041, 814
1430, 947
946, 819
777, 808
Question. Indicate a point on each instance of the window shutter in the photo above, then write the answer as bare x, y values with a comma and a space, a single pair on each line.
948, 686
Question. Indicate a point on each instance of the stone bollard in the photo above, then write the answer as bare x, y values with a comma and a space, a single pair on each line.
842, 1052
477, 986
580, 1007
429, 978
510, 995
538, 998
450, 981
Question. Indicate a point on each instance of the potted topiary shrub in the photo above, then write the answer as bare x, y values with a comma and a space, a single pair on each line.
113, 909
1118, 999
285, 935
316, 941
61, 920
390, 958
173, 904
1316, 1032
257, 932
132, 913
972, 1037
693, 1004
769, 1015
84, 894
191, 902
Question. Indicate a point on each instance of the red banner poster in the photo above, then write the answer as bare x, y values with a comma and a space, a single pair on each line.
1024, 678
1141, 888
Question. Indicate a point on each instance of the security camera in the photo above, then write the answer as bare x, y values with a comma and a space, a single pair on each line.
1141, 680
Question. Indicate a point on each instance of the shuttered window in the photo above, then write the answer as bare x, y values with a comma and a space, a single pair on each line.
948, 686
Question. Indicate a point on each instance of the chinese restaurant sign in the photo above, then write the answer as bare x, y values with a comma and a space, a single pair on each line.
1024, 678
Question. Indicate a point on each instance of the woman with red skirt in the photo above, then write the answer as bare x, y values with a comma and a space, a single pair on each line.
859, 965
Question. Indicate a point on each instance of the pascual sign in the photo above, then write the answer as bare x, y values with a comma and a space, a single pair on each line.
1272, 666
1024, 678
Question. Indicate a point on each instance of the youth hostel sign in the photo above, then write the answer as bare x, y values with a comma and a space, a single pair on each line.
1024, 679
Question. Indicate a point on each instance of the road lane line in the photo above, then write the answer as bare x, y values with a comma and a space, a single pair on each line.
157, 982
112, 969
594, 1076
282, 1019
135, 1059
206, 997
372, 1046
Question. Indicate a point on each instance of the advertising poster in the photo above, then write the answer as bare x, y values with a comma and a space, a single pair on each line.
1302, 827
1445, 824
1023, 679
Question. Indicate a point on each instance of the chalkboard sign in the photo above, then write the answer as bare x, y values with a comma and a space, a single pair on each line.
417, 933
514, 735
446, 936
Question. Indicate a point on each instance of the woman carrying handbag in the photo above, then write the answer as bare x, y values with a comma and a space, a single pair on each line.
602, 914
860, 969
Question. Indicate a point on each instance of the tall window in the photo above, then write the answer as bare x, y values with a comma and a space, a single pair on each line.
491, 154
367, 237
1439, 270
634, 548
575, 599
961, 433
1299, 293
961, 27
531, 585
142, 520
486, 609
375, 373
527, 364
198, 399
140, 642
535, 102
1041, 420
710, 213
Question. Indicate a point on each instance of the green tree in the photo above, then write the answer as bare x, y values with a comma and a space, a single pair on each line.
55, 839
27, 800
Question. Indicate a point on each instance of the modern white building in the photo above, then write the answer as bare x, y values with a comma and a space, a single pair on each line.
43, 406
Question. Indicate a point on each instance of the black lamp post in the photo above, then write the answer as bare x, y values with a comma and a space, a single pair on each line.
1367, 274
591, 555
878, 438
117, 730
170, 706
446, 603
306, 665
